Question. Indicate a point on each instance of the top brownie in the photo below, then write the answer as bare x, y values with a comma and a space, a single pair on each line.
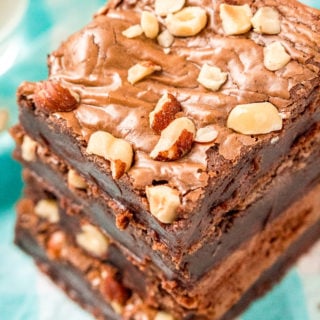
183, 108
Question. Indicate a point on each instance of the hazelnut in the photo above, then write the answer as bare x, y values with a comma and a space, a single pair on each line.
266, 20
165, 39
212, 77
149, 24
142, 70
165, 7
161, 315
175, 140
187, 22
114, 291
164, 202
51, 96
28, 149
4, 117
94, 277
56, 244
255, 118
235, 19
133, 31
47, 209
164, 113
92, 240
206, 134
118, 151
275, 56
75, 180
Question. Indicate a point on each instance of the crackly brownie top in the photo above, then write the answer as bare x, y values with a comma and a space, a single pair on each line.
173, 79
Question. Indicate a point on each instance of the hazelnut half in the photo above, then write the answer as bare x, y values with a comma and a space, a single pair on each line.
75, 180
175, 140
51, 96
142, 70
164, 113
255, 118
165, 7
206, 134
47, 209
165, 39
235, 19
266, 20
164, 202
212, 77
187, 22
118, 151
275, 56
149, 24
133, 31
28, 149
92, 240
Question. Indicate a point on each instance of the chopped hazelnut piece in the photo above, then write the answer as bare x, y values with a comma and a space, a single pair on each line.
142, 70
212, 77
47, 209
75, 180
175, 140
187, 22
52, 96
133, 31
149, 24
112, 288
28, 149
165, 7
206, 134
92, 240
56, 245
266, 20
255, 118
118, 151
164, 202
275, 56
164, 113
165, 39
161, 315
235, 19
4, 117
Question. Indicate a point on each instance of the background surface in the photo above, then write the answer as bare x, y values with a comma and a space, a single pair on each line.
28, 31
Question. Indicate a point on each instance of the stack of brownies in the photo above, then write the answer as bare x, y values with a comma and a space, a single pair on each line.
172, 158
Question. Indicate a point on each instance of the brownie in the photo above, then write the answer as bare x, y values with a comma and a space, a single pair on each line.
214, 179
298, 173
188, 134
82, 274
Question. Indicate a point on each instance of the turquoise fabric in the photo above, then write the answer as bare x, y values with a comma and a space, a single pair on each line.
285, 301
24, 293
18, 297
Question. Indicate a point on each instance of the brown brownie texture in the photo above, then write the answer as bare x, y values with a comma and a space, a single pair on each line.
294, 170
193, 145
299, 227
214, 175
297, 173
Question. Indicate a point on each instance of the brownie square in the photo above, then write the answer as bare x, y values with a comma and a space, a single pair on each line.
189, 133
